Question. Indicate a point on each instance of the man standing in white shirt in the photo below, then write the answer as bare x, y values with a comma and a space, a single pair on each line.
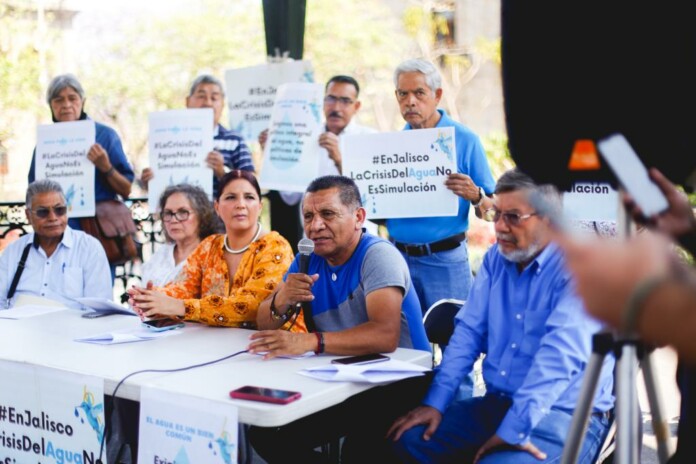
55, 261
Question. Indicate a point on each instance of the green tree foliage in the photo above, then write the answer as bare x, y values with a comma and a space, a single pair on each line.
22, 54
459, 65
156, 58
366, 43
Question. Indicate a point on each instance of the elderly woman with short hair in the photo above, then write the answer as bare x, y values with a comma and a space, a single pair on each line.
66, 98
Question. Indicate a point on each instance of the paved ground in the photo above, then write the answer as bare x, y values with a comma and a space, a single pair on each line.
664, 361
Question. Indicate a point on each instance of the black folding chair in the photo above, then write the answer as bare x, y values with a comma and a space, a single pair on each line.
439, 323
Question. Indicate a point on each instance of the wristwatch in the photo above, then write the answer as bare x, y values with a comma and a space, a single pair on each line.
482, 195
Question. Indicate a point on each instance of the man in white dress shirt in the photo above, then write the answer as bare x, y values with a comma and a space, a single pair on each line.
60, 263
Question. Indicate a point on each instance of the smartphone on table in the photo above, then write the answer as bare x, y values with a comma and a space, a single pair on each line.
265, 395
160, 325
361, 359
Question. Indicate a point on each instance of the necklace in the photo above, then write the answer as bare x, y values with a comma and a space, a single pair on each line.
242, 250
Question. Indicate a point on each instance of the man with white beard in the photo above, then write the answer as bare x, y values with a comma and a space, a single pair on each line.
522, 312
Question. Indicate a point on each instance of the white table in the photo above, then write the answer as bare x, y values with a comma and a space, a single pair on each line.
48, 340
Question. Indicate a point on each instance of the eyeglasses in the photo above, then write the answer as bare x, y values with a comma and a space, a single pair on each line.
44, 212
331, 99
511, 219
181, 215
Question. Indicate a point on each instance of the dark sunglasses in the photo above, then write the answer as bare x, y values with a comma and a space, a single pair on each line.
44, 212
511, 219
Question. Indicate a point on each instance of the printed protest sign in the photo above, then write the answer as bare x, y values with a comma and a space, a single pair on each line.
61, 155
291, 156
179, 141
402, 174
251, 93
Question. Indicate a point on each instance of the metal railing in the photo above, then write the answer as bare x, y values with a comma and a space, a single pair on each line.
148, 236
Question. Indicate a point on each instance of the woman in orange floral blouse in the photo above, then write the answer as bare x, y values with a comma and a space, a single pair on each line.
228, 275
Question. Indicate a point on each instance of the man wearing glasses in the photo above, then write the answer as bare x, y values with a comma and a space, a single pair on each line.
54, 261
523, 312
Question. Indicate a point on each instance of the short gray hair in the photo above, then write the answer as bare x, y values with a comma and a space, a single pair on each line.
545, 198
206, 79
42, 186
58, 83
432, 75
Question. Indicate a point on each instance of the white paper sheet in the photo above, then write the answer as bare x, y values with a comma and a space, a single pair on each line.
26, 311
126, 336
103, 305
388, 371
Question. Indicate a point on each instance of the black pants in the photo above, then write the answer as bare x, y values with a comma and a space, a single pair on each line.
122, 418
362, 420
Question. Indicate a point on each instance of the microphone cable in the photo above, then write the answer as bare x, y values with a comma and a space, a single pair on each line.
118, 385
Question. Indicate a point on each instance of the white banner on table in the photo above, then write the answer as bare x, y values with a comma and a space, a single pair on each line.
291, 157
402, 174
179, 142
61, 155
49, 416
251, 93
185, 429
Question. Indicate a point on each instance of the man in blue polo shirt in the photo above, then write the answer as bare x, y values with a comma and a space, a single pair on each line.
435, 247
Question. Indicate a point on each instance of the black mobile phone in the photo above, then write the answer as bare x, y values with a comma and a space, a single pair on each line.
159, 325
361, 359
265, 395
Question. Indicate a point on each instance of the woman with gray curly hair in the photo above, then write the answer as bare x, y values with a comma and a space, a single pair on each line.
187, 217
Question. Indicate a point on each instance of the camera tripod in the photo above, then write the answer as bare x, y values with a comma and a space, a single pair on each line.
629, 352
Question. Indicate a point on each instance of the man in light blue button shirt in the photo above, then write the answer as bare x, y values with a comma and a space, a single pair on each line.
61, 263
523, 313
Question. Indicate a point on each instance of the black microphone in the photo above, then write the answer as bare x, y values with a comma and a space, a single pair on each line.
306, 247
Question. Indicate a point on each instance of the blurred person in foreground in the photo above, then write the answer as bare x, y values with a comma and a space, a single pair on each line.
523, 313
228, 275
60, 263
640, 286
188, 217
362, 301
230, 151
